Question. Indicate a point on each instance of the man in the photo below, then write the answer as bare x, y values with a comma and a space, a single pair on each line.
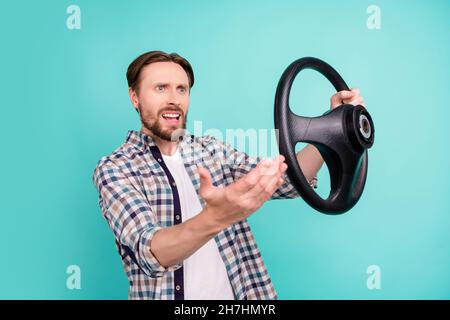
177, 204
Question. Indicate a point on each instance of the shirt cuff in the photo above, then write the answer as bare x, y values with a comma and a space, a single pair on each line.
148, 261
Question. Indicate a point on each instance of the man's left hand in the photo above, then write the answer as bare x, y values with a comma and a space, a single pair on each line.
347, 97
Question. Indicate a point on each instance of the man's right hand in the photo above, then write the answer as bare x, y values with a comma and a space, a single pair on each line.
237, 201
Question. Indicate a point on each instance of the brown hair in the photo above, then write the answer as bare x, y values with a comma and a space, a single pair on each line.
134, 69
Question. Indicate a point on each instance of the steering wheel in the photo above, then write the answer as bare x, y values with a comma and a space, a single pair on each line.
342, 135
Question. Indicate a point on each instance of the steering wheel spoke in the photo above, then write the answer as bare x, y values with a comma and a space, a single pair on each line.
317, 130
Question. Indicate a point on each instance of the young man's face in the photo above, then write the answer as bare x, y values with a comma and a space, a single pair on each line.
163, 99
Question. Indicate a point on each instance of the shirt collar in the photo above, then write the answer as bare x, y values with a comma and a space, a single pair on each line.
143, 141
139, 139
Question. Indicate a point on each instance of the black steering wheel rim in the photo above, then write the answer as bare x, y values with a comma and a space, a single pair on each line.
347, 183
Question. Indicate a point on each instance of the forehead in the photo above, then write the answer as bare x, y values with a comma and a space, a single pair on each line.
165, 72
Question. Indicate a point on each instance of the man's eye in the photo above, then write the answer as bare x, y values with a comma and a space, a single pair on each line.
159, 88
183, 90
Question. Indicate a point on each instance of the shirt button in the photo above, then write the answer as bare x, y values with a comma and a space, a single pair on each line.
174, 184
159, 160
177, 287
177, 217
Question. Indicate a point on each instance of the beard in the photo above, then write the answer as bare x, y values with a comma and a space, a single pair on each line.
155, 125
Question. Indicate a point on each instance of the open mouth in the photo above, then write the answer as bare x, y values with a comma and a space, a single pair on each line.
171, 116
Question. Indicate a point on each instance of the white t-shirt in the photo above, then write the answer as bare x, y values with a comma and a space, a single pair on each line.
205, 275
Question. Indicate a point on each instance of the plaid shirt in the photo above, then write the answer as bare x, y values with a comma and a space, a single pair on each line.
138, 197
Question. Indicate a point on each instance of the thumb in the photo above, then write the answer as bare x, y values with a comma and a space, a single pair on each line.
206, 185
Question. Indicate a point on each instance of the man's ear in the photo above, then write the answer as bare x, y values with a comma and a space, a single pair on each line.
133, 98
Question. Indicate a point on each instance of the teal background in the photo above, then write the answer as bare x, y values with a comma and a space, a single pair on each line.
64, 105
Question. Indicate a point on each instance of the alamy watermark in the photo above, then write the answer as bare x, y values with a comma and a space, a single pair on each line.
374, 279
73, 21
373, 21
257, 143
73, 281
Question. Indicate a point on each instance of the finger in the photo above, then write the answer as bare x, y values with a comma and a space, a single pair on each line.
278, 183
337, 99
355, 101
277, 168
282, 168
275, 174
356, 98
359, 101
206, 186
247, 182
270, 187
273, 185
266, 173
273, 169
356, 91
262, 197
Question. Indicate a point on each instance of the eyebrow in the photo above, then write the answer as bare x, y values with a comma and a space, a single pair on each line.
167, 84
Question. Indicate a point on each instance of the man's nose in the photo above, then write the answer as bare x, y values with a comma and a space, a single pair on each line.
174, 98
